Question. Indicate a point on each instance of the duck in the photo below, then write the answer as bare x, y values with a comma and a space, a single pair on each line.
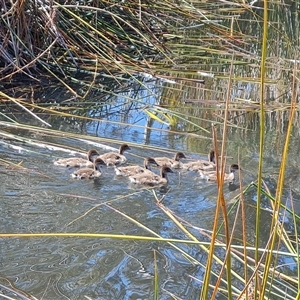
212, 175
201, 164
73, 162
89, 173
173, 163
114, 158
152, 179
133, 170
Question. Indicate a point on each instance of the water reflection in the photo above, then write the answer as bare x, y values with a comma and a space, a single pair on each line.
43, 198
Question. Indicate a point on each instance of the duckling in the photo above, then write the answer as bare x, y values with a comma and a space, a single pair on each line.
170, 162
113, 158
212, 175
152, 179
133, 170
72, 162
89, 173
201, 164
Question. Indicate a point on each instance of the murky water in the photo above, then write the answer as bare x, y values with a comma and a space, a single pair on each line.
43, 198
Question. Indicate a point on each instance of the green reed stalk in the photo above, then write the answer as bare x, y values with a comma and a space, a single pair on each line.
262, 137
279, 190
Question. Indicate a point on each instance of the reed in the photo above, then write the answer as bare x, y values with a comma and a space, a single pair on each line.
125, 54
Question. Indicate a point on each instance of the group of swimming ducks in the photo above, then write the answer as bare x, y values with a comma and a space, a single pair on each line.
90, 167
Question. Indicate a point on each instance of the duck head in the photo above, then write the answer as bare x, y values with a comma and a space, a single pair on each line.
165, 170
150, 160
92, 154
179, 155
211, 156
98, 163
234, 167
124, 147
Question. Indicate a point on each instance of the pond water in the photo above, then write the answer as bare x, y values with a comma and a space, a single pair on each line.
42, 198
39, 197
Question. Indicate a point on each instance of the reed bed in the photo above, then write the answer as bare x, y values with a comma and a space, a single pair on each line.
96, 50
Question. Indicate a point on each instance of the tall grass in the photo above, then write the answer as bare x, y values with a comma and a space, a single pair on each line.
261, 147
76, 46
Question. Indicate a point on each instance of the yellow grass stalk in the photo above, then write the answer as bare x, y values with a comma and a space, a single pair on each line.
262, 137
279, 191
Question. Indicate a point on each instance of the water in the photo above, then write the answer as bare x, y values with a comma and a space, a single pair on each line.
41, 197
37, 196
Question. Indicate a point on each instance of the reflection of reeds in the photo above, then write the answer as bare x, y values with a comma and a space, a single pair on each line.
190, 232
84, 44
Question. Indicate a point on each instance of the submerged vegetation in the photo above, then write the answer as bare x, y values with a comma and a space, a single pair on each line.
183, 65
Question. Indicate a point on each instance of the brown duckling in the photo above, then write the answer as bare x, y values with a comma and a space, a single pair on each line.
78, 161
150, 178
170, 162
89, 173
114, 158
201, 164
133, 170
212, 175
